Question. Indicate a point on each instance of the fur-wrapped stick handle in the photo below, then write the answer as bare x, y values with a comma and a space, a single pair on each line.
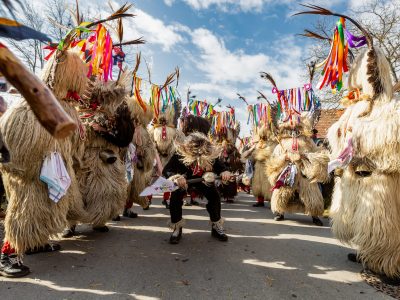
45, 106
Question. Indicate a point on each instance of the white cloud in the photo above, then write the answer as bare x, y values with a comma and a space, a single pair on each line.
221, 65
250, 5
154, 30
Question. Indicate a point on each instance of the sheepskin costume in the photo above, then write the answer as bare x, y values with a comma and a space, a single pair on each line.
31, 216
365, 207
145, 153
164, 132
102, 176
303, 195
230, 156
367, 217
262, 152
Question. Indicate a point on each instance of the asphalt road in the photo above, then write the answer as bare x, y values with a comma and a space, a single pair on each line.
263, 259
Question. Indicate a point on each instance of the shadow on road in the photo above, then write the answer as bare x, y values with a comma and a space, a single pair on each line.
263, 259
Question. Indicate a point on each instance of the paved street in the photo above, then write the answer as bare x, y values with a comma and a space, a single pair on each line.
262, 260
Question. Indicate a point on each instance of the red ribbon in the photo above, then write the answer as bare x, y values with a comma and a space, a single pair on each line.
197, 171
73, 95
52, 50
164, 132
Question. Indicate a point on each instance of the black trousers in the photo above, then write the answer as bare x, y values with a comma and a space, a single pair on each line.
209, 192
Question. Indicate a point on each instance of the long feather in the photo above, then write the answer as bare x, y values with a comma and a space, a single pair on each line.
318, 10
138, 59
312, 34
138, 41
242, 98
177, 72
269, 78
120, 13
170, 79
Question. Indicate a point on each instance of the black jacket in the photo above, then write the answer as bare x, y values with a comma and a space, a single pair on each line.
176, 166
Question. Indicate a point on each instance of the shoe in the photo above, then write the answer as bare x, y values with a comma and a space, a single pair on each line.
165, 202
353, 257
176, 236
194, 202
117, 219
12, 267
389, 280
187, 203
101, 228
129, 214
147, 207
258, 204
44, 248
217, 231
70, 232
279, 217
317, 221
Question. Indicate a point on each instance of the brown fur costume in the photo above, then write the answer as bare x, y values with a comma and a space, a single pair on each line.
103, 184
31, 216
305, 195
261, 154
145, 151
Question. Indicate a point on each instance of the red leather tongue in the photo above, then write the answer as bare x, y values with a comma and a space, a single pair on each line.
164, 132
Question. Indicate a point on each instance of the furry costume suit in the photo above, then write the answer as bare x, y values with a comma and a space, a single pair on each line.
366, 200
145, 154
260, 155
304, 196
31, 216
102, 176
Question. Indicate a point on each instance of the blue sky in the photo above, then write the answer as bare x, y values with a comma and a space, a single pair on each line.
220, 45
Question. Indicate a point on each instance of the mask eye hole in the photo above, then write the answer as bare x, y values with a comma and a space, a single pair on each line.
364, 173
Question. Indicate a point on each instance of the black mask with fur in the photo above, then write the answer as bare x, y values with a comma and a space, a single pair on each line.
197, 149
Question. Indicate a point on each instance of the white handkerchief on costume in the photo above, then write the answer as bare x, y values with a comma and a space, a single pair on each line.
55, 175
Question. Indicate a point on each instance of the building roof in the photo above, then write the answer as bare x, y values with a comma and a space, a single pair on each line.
327, 118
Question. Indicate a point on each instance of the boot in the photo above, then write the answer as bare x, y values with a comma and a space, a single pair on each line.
12, 267
317, 221
194, 202
260, 202
70, 232
389, 280
353, 258
279, 217
177, 232
217, 231
116, 219
44, 248
176, 236
101, 228
129, 214
165, 202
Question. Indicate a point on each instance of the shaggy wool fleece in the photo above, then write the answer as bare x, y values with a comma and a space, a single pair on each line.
31, 216
305, 195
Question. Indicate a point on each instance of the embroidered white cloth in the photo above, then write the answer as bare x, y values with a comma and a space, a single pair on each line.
160, 186
55, 175
130, 160
344, 157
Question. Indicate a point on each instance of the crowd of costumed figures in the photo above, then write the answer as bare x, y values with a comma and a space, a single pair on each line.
90, 138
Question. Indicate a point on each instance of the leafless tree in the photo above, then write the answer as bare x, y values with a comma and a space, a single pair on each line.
58, 11
382, 19
30, 50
